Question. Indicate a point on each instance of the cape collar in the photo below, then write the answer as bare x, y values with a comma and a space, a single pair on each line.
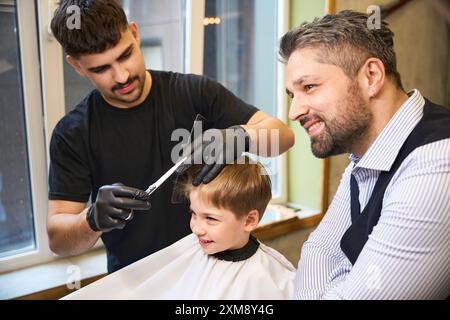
239, 254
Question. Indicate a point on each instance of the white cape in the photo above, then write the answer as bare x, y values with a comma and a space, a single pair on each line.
184, 271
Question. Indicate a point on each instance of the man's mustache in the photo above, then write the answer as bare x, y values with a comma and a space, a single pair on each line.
303, 120
123, 85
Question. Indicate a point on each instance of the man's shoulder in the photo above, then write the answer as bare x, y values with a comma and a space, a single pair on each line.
434, 155
174, 76
434, 131
430, 103
76, 120
181, 80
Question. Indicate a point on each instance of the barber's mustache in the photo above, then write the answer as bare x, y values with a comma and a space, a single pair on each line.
122, 85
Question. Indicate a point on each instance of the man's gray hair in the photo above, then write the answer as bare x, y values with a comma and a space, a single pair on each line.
344, 40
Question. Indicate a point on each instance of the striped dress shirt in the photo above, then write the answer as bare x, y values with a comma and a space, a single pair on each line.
407, 253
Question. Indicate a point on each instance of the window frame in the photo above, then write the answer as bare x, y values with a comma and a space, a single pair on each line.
282, 101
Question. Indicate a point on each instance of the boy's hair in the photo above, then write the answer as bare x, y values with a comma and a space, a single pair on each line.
344, 40
239, 188
101, 25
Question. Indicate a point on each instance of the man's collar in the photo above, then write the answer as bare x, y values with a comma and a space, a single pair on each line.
383, 151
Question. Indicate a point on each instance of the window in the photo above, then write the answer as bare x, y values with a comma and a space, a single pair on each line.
40, 88
16, 213
22, 160
240, 51
161, 26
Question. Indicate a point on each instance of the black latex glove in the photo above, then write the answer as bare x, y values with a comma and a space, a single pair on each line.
216, 148
114, 207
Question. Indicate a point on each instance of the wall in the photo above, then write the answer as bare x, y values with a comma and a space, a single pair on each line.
421, 44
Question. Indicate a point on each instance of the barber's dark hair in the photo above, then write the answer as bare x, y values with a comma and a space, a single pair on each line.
101, 27
344, 40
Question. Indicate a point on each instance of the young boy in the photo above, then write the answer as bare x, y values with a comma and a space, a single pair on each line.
220, 259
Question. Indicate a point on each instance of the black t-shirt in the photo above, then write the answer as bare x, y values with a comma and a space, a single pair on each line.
98, 144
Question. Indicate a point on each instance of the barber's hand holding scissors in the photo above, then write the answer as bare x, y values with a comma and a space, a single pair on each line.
114, 207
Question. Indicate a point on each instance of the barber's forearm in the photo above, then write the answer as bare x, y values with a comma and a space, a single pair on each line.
269, 137
70, 234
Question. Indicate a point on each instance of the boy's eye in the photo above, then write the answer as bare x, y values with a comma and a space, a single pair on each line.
211, 219
309, 87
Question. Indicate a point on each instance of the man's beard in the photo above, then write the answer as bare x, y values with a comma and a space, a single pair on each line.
342, 133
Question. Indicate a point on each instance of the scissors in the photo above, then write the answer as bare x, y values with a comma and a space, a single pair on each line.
164, 177
141, 195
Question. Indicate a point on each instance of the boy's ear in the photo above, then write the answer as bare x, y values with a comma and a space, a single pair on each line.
251, 221
75, 64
